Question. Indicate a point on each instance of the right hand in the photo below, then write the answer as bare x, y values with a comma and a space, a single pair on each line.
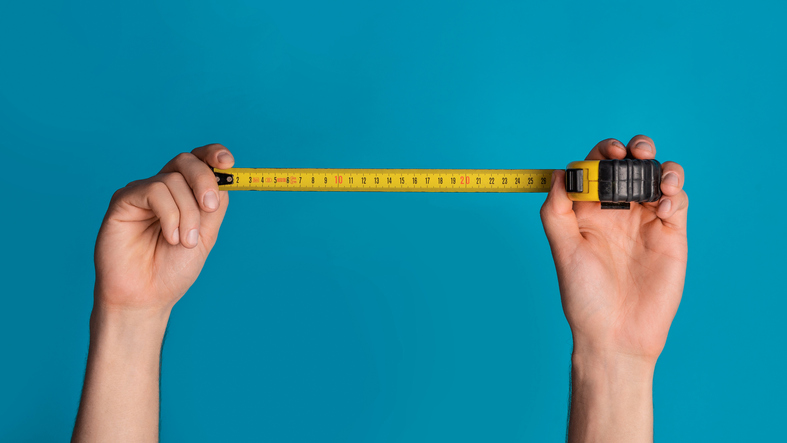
621, 273
158, 232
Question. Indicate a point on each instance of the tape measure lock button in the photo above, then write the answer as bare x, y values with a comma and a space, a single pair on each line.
573, 180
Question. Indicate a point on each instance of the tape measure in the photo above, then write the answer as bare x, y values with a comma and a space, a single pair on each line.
615, 183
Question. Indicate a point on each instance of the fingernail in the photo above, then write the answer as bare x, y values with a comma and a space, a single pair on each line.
618, 144
192, 237
176, 236
665, 206
670, 179
211, 200
225, 157
645, 146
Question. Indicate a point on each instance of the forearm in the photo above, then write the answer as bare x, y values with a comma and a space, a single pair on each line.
120, 398
611, 398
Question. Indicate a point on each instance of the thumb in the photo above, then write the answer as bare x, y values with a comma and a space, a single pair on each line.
557, 215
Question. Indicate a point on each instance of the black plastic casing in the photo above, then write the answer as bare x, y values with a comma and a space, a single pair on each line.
629, 180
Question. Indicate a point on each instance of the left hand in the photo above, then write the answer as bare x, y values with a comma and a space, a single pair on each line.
158, 232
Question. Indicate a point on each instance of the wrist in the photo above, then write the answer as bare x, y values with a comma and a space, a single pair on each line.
611, 348
611, 366
128, 329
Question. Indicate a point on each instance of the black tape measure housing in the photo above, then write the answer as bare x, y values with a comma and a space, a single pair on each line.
629, 180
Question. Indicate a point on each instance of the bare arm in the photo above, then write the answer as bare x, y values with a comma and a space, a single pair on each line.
611, 399
621, 276
152, 245
120, 399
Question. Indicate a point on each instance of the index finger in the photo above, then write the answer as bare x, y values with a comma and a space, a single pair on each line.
215, 155
196, 169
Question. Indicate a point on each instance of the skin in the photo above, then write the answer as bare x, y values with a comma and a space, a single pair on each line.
150, 249
620, 272
621, 276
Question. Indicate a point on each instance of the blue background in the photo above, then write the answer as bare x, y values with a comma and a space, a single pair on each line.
389, 317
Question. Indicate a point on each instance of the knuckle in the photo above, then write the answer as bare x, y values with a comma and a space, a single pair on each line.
183, 157
157, 187
131, 184
188, 206
170, 218
190, 217
118, 194
173, 178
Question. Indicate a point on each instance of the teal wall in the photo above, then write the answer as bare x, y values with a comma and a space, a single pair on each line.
390, 317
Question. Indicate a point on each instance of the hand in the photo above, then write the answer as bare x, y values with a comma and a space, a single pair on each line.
158, 232
150, 249
620, 272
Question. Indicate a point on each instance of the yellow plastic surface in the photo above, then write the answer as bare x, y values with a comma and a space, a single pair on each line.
388, 180
589, 180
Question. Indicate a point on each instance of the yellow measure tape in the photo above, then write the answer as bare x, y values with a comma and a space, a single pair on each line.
384, 180
615, 183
